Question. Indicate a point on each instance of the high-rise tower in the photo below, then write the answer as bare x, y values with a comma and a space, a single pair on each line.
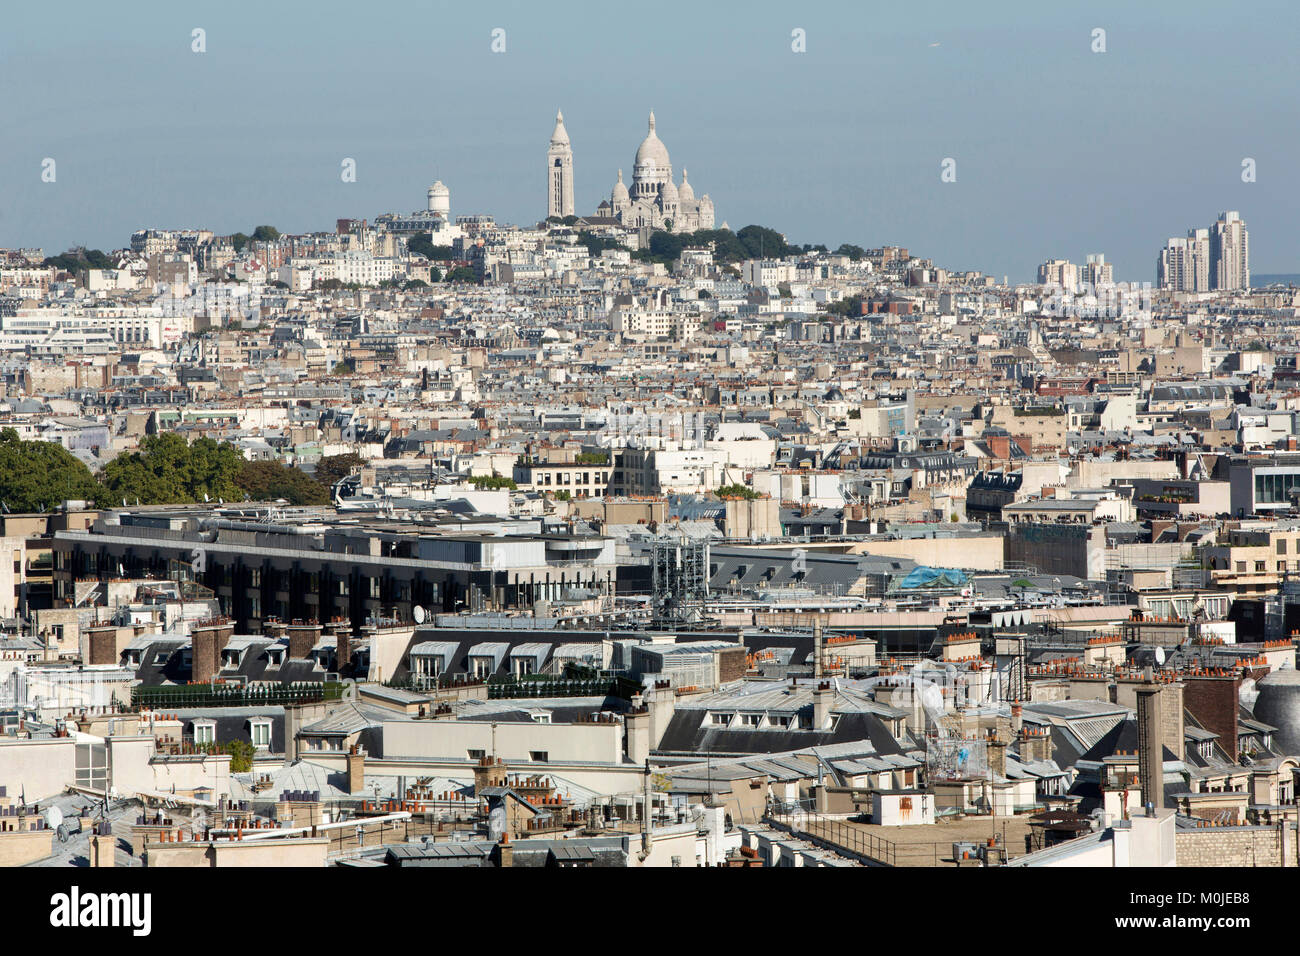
559, 171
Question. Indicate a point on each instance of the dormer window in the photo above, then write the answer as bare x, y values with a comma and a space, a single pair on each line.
275, 656
205, 732
259, 731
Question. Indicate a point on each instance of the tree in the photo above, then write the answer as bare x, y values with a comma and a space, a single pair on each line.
344, 367
268, 480
79, 260
597, 244
241, 754
40, 475
266, 234
333, 467
168, 471
592, 458
418, 284
329, 285
855, 253
737, 491
239, 240
422, 245
462, 274
492, 481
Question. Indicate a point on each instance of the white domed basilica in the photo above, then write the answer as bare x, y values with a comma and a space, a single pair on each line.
654, 201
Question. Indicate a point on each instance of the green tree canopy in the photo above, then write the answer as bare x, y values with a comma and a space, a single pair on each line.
333, 467
168, 471
736, 491
79, 260
422, 245
461, 274
40, 475
266, 234
268, 480
492, 481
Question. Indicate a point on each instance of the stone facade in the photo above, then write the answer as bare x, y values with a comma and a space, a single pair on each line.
655, 202
1236, 847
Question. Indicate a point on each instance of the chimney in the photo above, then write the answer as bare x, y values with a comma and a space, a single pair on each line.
663, 704
637, 727
1151, 761
823, 699
489, 772
103, 845
101, 644
356, 769
205, 651
303, 636
274, 628
997, 749
341, 628
506, 851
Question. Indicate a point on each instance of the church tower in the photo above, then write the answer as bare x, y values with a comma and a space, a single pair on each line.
559, 171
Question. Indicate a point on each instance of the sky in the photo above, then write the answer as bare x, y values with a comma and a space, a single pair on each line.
1059, 151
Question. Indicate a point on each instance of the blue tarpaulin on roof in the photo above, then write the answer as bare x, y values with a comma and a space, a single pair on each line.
923, 577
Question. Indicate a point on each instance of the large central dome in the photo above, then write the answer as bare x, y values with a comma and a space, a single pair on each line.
652, 152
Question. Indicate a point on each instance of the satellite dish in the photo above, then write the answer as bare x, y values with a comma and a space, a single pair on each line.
53, 817
1160, 656
418, 613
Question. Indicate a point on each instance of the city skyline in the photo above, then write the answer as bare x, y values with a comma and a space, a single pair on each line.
789, 140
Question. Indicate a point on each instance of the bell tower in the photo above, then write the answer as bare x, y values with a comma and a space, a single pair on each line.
559, 171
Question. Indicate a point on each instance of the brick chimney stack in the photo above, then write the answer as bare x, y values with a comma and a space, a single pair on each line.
341, 629
207, 640
303, 636
356, 770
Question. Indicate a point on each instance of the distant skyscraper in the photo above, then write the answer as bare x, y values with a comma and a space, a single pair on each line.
1059, 272
1184, 264
1217, 258
1230, 253
559, 171
1097, 271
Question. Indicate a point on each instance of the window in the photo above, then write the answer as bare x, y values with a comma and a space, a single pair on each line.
205, 733
475, 754
751, 720
721, 720
260, 732
538, 756
1259, 566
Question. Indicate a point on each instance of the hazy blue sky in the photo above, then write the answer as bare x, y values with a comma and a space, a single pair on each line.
1060, 151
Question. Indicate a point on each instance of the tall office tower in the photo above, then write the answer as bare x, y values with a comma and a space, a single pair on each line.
559, 171
1097, 271
1230, 253
1184, 264
1059, 272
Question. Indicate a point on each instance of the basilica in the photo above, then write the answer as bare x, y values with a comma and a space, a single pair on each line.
652, 202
